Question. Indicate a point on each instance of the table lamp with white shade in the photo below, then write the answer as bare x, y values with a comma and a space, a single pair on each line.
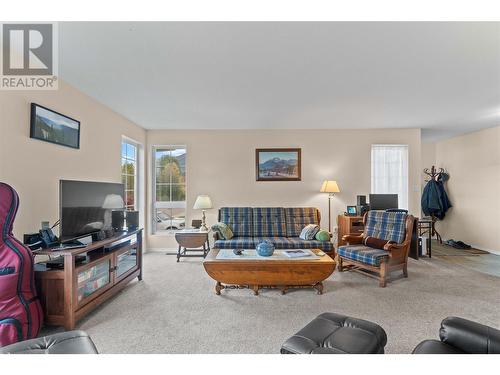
203, 202
331, 187
112, 202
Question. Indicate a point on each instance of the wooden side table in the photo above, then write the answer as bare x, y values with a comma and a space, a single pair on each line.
192, 241
352, 225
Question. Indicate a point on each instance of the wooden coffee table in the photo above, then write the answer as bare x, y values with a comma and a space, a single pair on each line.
263, 273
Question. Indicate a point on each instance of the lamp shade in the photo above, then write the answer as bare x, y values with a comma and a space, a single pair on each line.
330, 187
113, 201
203, 202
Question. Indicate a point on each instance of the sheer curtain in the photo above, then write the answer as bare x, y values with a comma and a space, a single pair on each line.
390, 171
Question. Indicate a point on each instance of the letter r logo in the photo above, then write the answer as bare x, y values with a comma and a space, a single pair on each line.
27, 49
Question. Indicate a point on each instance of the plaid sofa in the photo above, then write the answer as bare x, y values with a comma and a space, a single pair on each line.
281, 226
389, 226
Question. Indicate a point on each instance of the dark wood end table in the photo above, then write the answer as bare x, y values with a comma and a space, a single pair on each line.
192, 243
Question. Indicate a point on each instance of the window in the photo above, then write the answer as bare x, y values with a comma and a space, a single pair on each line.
169, 188
390, 171
129, 173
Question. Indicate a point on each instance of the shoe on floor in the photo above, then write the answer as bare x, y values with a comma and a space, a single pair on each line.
453, 244
463, 245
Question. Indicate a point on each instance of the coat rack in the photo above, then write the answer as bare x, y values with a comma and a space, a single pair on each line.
434, 174
429, 226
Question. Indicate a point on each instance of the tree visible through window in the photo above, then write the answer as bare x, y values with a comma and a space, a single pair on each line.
169, 188
129, 174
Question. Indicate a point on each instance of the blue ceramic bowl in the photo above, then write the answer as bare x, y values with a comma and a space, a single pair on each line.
265, 249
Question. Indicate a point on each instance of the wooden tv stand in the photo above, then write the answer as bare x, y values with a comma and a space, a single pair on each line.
69, 294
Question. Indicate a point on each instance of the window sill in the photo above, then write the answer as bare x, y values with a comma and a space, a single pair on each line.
165, 233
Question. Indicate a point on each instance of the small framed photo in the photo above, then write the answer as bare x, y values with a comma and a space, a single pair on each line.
351, 211
51, 126
278, 164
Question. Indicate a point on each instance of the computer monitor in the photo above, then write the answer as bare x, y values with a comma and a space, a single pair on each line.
383, 201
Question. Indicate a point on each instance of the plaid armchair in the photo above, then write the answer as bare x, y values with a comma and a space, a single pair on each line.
390, 226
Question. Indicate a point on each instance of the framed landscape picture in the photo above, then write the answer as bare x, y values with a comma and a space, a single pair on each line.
51, 126
278, 164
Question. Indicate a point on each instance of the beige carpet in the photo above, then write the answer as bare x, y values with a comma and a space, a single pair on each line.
174, 309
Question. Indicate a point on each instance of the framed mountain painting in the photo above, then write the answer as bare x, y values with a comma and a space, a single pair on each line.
54, 127
277, 164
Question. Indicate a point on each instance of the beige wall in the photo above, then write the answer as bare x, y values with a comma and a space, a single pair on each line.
221, 164
34, 167
473, 162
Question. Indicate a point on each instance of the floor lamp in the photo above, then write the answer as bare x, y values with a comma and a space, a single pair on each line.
331, 188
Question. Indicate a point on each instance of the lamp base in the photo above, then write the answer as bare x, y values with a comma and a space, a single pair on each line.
203, 227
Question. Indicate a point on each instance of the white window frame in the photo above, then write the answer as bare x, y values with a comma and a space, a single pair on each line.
154, 204
403, 201
137, 191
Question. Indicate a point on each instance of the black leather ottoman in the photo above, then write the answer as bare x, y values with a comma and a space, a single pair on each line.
72, 342
333, 333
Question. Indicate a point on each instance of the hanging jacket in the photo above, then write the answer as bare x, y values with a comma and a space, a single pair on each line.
435, 201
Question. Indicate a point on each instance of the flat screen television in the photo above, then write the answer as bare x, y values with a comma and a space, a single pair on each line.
85, 207
383, 201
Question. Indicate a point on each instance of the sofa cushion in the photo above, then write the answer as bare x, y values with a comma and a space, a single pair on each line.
236, 243
376, 243
298, 217
296, 243
269, 221
363, 254
322, 235
239, 219
309, 232
389, 226
223, 231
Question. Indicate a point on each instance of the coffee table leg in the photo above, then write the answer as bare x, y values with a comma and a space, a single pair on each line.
283, 290
218, 287
319, 287
255, 290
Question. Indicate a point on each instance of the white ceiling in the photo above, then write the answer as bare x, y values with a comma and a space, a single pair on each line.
441, 77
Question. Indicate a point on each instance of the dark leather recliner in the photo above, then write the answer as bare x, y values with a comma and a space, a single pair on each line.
462, 336
72, 342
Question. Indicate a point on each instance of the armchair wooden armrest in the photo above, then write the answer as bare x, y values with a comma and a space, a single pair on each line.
351, 239
397, 251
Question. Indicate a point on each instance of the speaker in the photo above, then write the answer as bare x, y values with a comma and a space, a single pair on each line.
132, 220
118, 220
361, 200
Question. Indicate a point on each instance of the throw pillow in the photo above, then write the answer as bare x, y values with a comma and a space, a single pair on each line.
223, 230
309, 232
323, 235
375, 243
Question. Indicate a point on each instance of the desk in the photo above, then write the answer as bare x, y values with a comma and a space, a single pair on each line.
192, 240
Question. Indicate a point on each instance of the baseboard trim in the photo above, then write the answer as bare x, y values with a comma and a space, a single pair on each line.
168, 250
496, 252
